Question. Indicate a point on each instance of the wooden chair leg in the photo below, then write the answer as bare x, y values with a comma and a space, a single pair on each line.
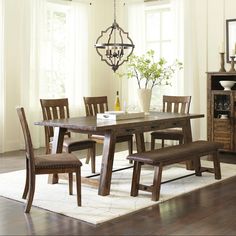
88, 156
181, 141
93, 158
135, 179
130, 147
162, 142
216, 163
70, 175
78, 187
197, 166
152, 143
31, 193
157, 182
26, 189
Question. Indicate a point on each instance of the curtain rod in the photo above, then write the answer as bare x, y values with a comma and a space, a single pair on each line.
87, 1
151, 0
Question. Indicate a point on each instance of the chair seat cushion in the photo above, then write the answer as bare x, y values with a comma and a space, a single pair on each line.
80, 143
171, 134
60, 160
124, 138
77, 144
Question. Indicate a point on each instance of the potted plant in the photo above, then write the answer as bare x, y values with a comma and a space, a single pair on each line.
149, 73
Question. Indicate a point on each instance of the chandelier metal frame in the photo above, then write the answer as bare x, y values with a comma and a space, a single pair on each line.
113, 53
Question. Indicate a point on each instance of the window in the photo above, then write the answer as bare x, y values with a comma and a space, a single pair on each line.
152, 26
55, 50
56, 64
159, 30
62, 48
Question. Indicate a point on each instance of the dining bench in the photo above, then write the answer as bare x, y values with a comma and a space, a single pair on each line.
172, 155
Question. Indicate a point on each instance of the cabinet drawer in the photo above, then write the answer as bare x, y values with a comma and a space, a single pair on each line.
225, 141
222, 126
220, 139
221, 134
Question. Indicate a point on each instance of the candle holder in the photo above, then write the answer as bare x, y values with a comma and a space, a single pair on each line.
232, 64
222, 62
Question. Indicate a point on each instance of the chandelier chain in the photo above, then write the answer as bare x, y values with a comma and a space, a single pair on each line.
114, 10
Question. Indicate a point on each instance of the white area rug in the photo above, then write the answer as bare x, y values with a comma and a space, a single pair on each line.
97, 209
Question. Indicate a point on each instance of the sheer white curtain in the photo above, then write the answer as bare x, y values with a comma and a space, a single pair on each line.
54, 57
177, 10
135, 21
78, 82
195, 60
2, 77
135, 14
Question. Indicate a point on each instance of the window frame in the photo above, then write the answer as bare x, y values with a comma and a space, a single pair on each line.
160, 8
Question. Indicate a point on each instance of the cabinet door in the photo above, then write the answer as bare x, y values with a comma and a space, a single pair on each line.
223, 119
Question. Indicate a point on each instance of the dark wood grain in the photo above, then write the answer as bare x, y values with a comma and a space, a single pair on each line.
171, 155
95, 105
176, 104
112, 129
45, 164
91, 124
221, 130
207, 211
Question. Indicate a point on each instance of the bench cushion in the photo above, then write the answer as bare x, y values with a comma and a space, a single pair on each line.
175, 154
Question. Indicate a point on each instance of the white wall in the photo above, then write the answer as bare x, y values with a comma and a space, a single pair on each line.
101, 73
211, 18
103, 79
209, 15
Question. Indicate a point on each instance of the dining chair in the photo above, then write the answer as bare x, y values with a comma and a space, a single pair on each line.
46, 164
94, 105
175, 104
59, 109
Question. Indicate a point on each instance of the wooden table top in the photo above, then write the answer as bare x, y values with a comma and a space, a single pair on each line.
85, 123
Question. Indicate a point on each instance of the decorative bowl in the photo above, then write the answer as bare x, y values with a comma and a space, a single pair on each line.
227, 84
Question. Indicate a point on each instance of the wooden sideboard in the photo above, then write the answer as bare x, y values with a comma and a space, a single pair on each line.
221, 110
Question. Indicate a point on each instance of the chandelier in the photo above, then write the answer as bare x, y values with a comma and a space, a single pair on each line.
114, 45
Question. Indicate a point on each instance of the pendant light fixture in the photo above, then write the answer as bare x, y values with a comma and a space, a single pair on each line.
114, 45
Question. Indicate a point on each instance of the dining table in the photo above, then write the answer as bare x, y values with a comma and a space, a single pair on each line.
112, 128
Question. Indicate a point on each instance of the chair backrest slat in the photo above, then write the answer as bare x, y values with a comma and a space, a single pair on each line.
27, 136
53, 109
176, 104
94, 105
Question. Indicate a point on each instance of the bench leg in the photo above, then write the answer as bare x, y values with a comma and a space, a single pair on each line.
135, 179
216, 163
197, 166
157, 183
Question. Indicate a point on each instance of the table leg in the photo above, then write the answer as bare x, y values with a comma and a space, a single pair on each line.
107, 163
57, 147
187, 131
140, 142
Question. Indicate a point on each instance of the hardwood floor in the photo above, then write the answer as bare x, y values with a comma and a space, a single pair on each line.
207, 211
